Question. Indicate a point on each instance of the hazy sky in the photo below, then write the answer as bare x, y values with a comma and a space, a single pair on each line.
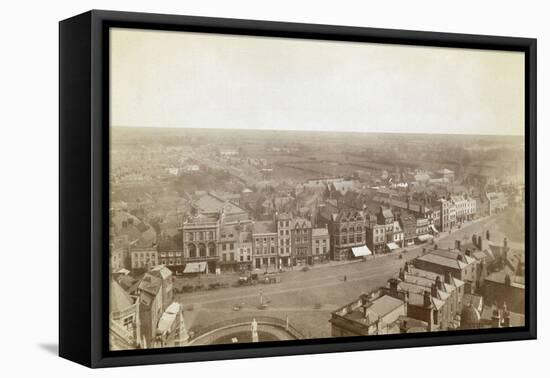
180, 79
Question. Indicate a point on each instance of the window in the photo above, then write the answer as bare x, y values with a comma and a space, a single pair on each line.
128, 322
192, 250
202, 250
223, 247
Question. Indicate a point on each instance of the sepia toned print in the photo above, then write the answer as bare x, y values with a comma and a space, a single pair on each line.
266, 189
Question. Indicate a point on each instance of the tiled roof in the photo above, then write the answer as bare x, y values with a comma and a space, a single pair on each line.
264, 227
162, 271
209, 204
384, 305
119, 299
319, 232
444, 261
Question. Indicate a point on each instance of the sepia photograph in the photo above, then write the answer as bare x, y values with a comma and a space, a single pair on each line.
268, 189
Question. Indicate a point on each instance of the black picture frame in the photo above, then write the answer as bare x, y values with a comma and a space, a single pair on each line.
84, 186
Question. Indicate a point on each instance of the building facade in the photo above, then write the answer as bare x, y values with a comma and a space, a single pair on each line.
320, 245
347, 230
143, 258
200, 241
301, 241
447, 215
284, 239
265, 244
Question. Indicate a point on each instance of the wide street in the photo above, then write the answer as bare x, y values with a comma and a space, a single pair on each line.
308, 298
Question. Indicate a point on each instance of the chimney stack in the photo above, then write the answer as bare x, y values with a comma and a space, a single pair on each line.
427, 299
506, 316
495, 319
402, 274
403, 327
507, 280
438, 283
448, 278
394, 283
469, 252
457, 244
433, 290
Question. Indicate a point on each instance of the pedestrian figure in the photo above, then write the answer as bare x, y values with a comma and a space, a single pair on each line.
345, 278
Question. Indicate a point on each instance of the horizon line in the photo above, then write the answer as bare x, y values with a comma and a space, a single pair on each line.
320, 131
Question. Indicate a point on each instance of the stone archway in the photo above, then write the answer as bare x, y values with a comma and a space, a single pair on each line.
192, 250
202, 250
212, 249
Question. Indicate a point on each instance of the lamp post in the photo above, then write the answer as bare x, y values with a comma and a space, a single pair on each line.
261, 298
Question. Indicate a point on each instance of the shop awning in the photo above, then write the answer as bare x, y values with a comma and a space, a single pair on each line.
392, 246
434, 229
425, 237
168, 318
197, 267
361, 251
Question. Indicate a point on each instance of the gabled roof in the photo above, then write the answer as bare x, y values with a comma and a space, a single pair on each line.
349, 215
386, 213
161, 271
443, 261
119, 300
150, 284
300, 223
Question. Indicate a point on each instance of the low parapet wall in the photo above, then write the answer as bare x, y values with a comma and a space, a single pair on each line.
264, 323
